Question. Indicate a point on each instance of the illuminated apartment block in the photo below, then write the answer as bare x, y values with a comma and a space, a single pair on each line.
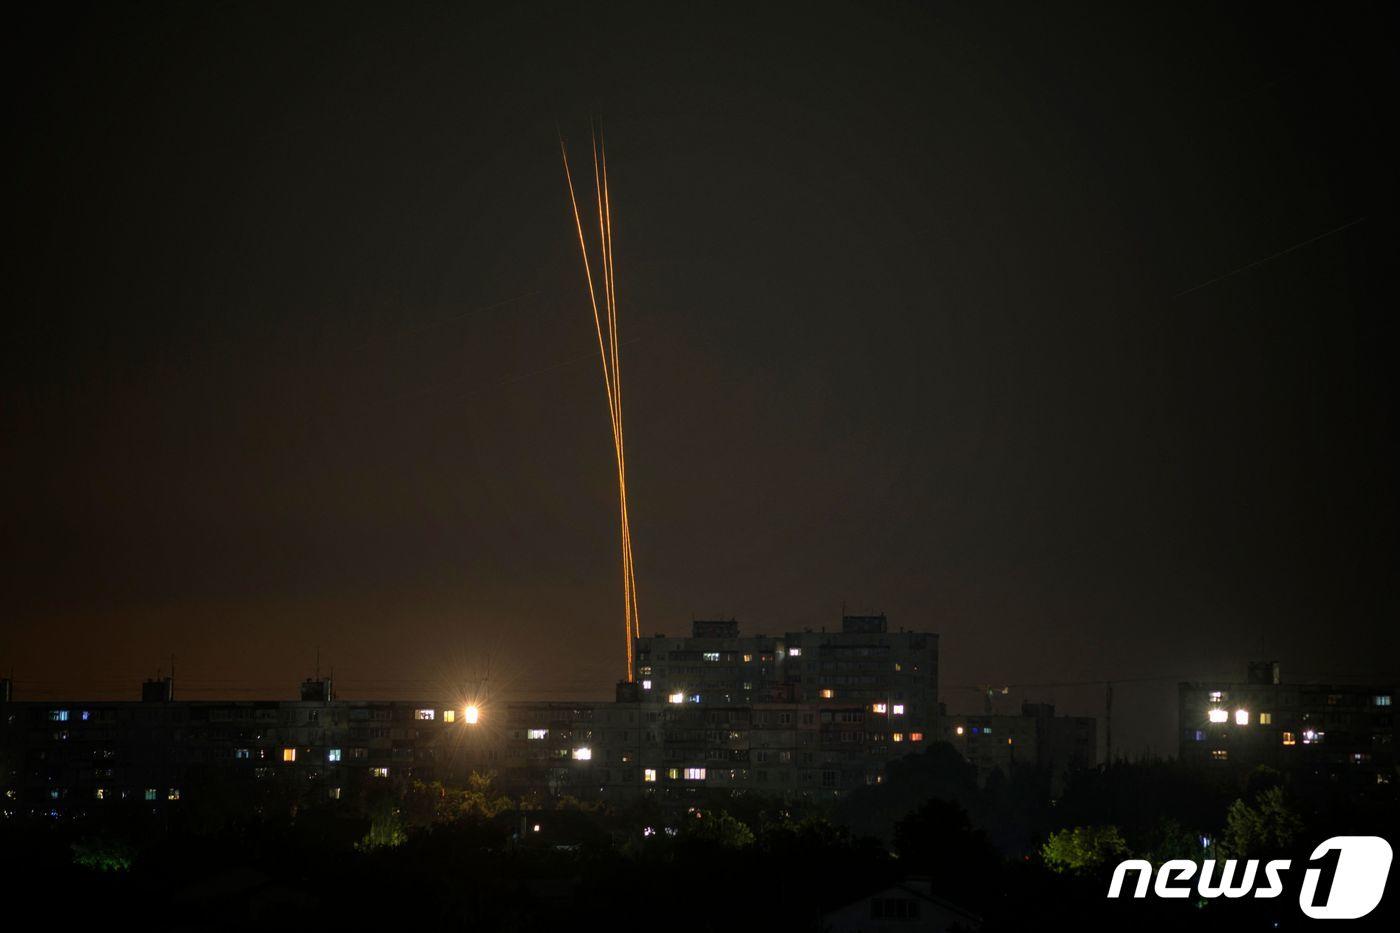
1318, 734
811, 713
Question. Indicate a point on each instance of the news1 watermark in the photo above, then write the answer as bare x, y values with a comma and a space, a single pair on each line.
1344, 878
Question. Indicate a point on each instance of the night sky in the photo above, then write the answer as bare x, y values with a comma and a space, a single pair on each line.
1065, 334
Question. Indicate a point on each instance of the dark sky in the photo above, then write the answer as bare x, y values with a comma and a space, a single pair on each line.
988, 319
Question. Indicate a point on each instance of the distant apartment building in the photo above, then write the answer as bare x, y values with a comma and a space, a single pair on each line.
802, 712
67, 757
811, 713
862, 666
1341, 735
1037, 738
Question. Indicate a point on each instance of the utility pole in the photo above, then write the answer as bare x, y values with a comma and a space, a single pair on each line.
1108, 724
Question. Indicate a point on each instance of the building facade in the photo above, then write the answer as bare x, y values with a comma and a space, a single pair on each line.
1321, 734
60, 758
801, 713
814, 713
1036, 738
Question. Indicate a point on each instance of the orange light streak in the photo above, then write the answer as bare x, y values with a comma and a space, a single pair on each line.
610, 356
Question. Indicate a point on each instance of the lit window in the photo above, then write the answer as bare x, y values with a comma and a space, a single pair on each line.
1219, 754
472, 715
583, 754
827, 693
1289, 739
1216, 696
1266, 719
101, 793
1219, 715
1382, 700
152, 793
241, 753
449, 715
1241, 717
333, 793
748, 659
899, 709
898, 736
877, 707
959, 730
537, 734
695, 774
649, 775
711, 655
58, 715
379, 772
646, 685
423, 714
694, 698
173, 794
794, 652
676, 698
289, 754
673, 773
332, 754
916, 736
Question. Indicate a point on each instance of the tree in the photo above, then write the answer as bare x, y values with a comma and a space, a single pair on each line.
1263, 829
1083, 849
939, 771
939, 840
1169, 839
103, 853
716, 828
387, 827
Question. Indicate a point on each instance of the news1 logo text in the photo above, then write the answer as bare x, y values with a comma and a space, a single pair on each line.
1344, 878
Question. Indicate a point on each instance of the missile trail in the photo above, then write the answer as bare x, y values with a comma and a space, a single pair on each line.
610, 356
617, 386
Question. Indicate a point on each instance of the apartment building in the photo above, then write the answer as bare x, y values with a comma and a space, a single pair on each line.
1341, 735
